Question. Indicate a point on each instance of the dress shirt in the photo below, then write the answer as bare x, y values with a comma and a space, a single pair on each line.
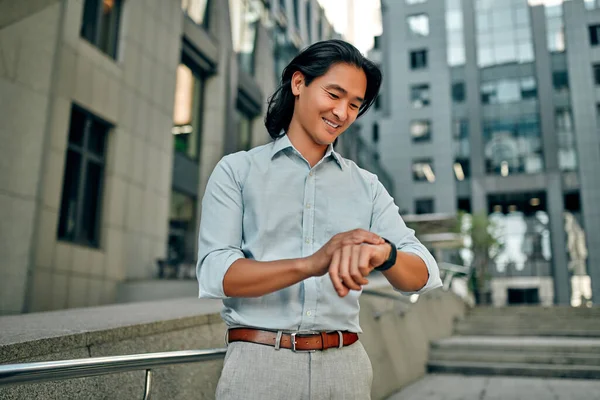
268, 204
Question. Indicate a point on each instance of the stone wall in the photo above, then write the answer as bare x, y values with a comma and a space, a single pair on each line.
396, 336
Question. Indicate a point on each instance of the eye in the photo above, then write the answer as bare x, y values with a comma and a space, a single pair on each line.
354, 106
333, 96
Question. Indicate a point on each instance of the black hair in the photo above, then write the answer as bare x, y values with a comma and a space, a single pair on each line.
312, 62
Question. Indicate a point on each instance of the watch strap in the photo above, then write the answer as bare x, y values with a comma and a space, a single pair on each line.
391, 261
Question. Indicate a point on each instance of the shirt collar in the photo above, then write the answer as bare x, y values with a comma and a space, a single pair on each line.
284, 142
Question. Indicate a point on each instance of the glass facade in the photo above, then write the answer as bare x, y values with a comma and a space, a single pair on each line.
555, 28
245, 17
187, 112
503, 91
513, 145
462, 149
455, 51
503, 32
567, 155
420, 95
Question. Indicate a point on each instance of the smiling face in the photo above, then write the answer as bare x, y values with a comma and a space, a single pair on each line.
329, 104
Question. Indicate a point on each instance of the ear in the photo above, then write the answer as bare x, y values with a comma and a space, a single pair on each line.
297, 82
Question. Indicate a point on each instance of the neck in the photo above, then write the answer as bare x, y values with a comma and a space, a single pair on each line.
313, 152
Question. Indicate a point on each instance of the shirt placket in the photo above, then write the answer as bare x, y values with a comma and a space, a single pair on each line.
308, 243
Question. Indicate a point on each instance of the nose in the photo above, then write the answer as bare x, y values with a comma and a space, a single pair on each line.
341, 111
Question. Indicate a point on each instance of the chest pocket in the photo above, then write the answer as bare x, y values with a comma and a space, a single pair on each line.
347, 211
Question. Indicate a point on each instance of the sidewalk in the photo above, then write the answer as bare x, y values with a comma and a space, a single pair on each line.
459, 387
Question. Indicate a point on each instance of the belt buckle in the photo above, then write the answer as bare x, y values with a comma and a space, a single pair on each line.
293, 337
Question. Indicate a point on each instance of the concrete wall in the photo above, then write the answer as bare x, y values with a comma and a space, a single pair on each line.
395, 337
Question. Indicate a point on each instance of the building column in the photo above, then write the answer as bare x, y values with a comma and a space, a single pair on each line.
554, 191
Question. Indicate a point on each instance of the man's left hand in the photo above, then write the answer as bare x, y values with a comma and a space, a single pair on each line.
351, 264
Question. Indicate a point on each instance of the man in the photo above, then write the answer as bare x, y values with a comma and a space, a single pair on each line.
290, 231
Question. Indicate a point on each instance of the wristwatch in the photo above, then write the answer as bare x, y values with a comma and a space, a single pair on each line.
391, 261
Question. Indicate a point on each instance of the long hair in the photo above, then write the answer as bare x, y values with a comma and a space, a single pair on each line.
312, 62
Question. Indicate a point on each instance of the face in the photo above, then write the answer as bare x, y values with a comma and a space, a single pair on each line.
330, 104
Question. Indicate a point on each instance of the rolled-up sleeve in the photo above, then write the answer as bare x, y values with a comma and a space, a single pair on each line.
220, 236
387, 222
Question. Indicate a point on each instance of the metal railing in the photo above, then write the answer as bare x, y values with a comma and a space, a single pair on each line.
36, 372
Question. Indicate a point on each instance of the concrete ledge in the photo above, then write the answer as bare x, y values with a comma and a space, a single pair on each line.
396, 336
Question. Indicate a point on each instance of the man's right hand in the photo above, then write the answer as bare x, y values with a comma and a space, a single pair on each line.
318, 264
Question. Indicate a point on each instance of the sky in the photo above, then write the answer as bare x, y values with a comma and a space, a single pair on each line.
367, 21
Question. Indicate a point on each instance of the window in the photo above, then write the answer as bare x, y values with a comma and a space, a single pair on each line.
462, 168
196, 10
187, 112
296, 14
565, 133
594, 35
375, 132
464, 204
458, 92
596, 74
309, 19
245, 16
419, 95
424, 206
377, 42
418, 59
418, 25
378, 102
420, 131
100, 24
505, 91
83, 181
423, 171
244, 130
560, 81
409, 2
455, 38
182, 227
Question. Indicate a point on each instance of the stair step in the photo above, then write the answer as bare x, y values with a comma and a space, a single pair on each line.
544, 345
525, 357
479, 329
515, 369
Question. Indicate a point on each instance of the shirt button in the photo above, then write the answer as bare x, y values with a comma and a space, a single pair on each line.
310, 173
307, 241
308, 205
309, 313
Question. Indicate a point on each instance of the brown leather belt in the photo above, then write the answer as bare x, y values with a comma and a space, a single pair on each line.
297, 341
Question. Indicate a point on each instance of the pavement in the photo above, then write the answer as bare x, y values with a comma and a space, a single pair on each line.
460, 387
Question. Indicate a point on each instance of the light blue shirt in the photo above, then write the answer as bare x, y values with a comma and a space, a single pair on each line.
269, 204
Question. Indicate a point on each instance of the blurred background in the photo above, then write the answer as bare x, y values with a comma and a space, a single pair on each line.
113, 114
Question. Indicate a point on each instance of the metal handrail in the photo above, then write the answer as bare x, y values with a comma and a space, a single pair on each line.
80, 368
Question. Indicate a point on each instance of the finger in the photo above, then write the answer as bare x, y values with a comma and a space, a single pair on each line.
355, 273
364, 260
334, 273
345, 268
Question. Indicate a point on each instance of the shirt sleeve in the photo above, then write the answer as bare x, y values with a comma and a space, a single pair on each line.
220, 236
387, 222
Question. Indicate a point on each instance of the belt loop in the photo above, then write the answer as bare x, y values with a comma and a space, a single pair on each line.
341, 339
227, 338
278, 340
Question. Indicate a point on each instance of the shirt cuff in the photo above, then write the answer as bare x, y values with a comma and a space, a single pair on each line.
212, 272
434, 280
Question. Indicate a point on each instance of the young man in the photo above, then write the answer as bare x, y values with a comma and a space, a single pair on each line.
290, 231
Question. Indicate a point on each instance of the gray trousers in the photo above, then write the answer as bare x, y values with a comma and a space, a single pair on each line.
254, 371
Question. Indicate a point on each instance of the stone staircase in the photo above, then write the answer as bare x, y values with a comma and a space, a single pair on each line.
550, 342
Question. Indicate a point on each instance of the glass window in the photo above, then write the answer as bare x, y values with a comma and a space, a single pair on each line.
460, 133
424, 206
187, 112
309, 20
418, 25
245, 16
513, 145
244, 130
462, 169
591, 4
375, 132
508, 90
528, 88
560, 80
594, 31
458, 92
182, 227
454, 20
100, 24
80, 210
378, 102
419, 95
196, 10
423, 171
567, 156
296, 14
409, 2
418, 59
420, 131
596, 68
